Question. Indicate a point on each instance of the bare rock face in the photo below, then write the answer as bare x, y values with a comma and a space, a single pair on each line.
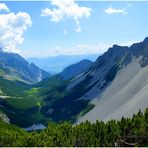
4, 117
119, 82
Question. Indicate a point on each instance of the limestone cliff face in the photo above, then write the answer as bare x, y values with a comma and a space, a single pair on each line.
117, 82
4, 117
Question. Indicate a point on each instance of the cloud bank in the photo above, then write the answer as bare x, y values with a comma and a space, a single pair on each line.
3, 7
12, 28
111, 10
68, 9
80, 49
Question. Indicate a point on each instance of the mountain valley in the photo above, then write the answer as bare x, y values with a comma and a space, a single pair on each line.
113, 86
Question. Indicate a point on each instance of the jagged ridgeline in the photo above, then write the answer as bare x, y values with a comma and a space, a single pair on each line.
15, 67
126, 132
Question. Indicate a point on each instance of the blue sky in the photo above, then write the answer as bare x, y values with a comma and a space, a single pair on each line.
89, 31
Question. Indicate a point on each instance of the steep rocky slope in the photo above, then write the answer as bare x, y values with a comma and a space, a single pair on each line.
14, 67
117, 83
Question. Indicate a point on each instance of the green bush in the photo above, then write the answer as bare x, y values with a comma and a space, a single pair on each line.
126, 132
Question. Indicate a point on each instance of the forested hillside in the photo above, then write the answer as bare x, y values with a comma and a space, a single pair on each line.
126, 132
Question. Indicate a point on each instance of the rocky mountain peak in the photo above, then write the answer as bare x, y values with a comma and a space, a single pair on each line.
145, 40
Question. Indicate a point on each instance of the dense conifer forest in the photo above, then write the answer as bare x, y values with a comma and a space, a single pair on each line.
126, 132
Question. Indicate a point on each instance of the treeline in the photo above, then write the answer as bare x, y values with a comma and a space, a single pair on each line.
126, 132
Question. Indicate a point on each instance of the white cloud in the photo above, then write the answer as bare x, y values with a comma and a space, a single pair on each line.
78, 29
111, 10
69, 9
81, 49
65, 31
12, 28
3, 7
92, 49
129, 5
128, 43
72, 50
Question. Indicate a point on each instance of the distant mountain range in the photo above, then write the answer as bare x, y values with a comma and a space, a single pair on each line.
56, 64
13, 66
